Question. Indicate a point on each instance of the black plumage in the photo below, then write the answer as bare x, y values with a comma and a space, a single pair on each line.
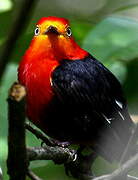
89, 107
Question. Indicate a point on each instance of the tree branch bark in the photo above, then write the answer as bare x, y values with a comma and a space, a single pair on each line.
65, 156
57, 154
131, 143
39, 134
32, 176
17, 162
124, 169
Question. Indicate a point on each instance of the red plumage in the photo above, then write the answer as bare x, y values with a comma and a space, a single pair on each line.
53, 18
70, 95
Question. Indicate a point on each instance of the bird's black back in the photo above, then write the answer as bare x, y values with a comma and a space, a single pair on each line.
89, 107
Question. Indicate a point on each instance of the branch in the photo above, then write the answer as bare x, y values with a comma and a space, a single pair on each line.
32, 176
131, 177
131, 145
17, 28
105, 177
39, 134
78, 166
59, 155
65, 156
17, 162
124, 169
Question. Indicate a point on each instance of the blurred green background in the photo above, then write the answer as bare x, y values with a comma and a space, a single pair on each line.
107, 29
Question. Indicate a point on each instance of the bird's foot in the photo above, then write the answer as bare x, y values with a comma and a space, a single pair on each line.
81, 165
60, 144
54, 142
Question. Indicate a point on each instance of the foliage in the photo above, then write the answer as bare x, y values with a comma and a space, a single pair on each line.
113, 39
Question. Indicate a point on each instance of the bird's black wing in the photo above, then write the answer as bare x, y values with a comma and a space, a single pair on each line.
94, 96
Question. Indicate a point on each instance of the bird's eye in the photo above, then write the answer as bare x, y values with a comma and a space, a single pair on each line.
69, 33
37, 31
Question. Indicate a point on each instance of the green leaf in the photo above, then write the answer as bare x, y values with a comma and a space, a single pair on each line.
119, 69
80, 30
114, 39
111, 36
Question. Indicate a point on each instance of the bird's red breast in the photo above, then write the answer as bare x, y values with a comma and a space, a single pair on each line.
45, 53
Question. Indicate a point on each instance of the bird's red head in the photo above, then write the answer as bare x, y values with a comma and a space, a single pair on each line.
53, 40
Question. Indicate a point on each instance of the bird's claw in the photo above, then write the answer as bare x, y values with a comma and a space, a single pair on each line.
43, 144
60, 144
75, 157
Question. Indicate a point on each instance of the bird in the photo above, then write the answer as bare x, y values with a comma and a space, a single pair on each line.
72, 96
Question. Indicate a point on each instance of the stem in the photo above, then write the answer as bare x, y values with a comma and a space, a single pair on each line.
17, 162
32, 176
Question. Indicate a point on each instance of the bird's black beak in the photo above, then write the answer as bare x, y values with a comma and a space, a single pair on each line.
52, 30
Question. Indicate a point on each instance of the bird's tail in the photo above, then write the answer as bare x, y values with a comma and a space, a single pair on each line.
118, 139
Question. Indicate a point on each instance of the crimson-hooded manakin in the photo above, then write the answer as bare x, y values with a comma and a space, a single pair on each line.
72, 96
